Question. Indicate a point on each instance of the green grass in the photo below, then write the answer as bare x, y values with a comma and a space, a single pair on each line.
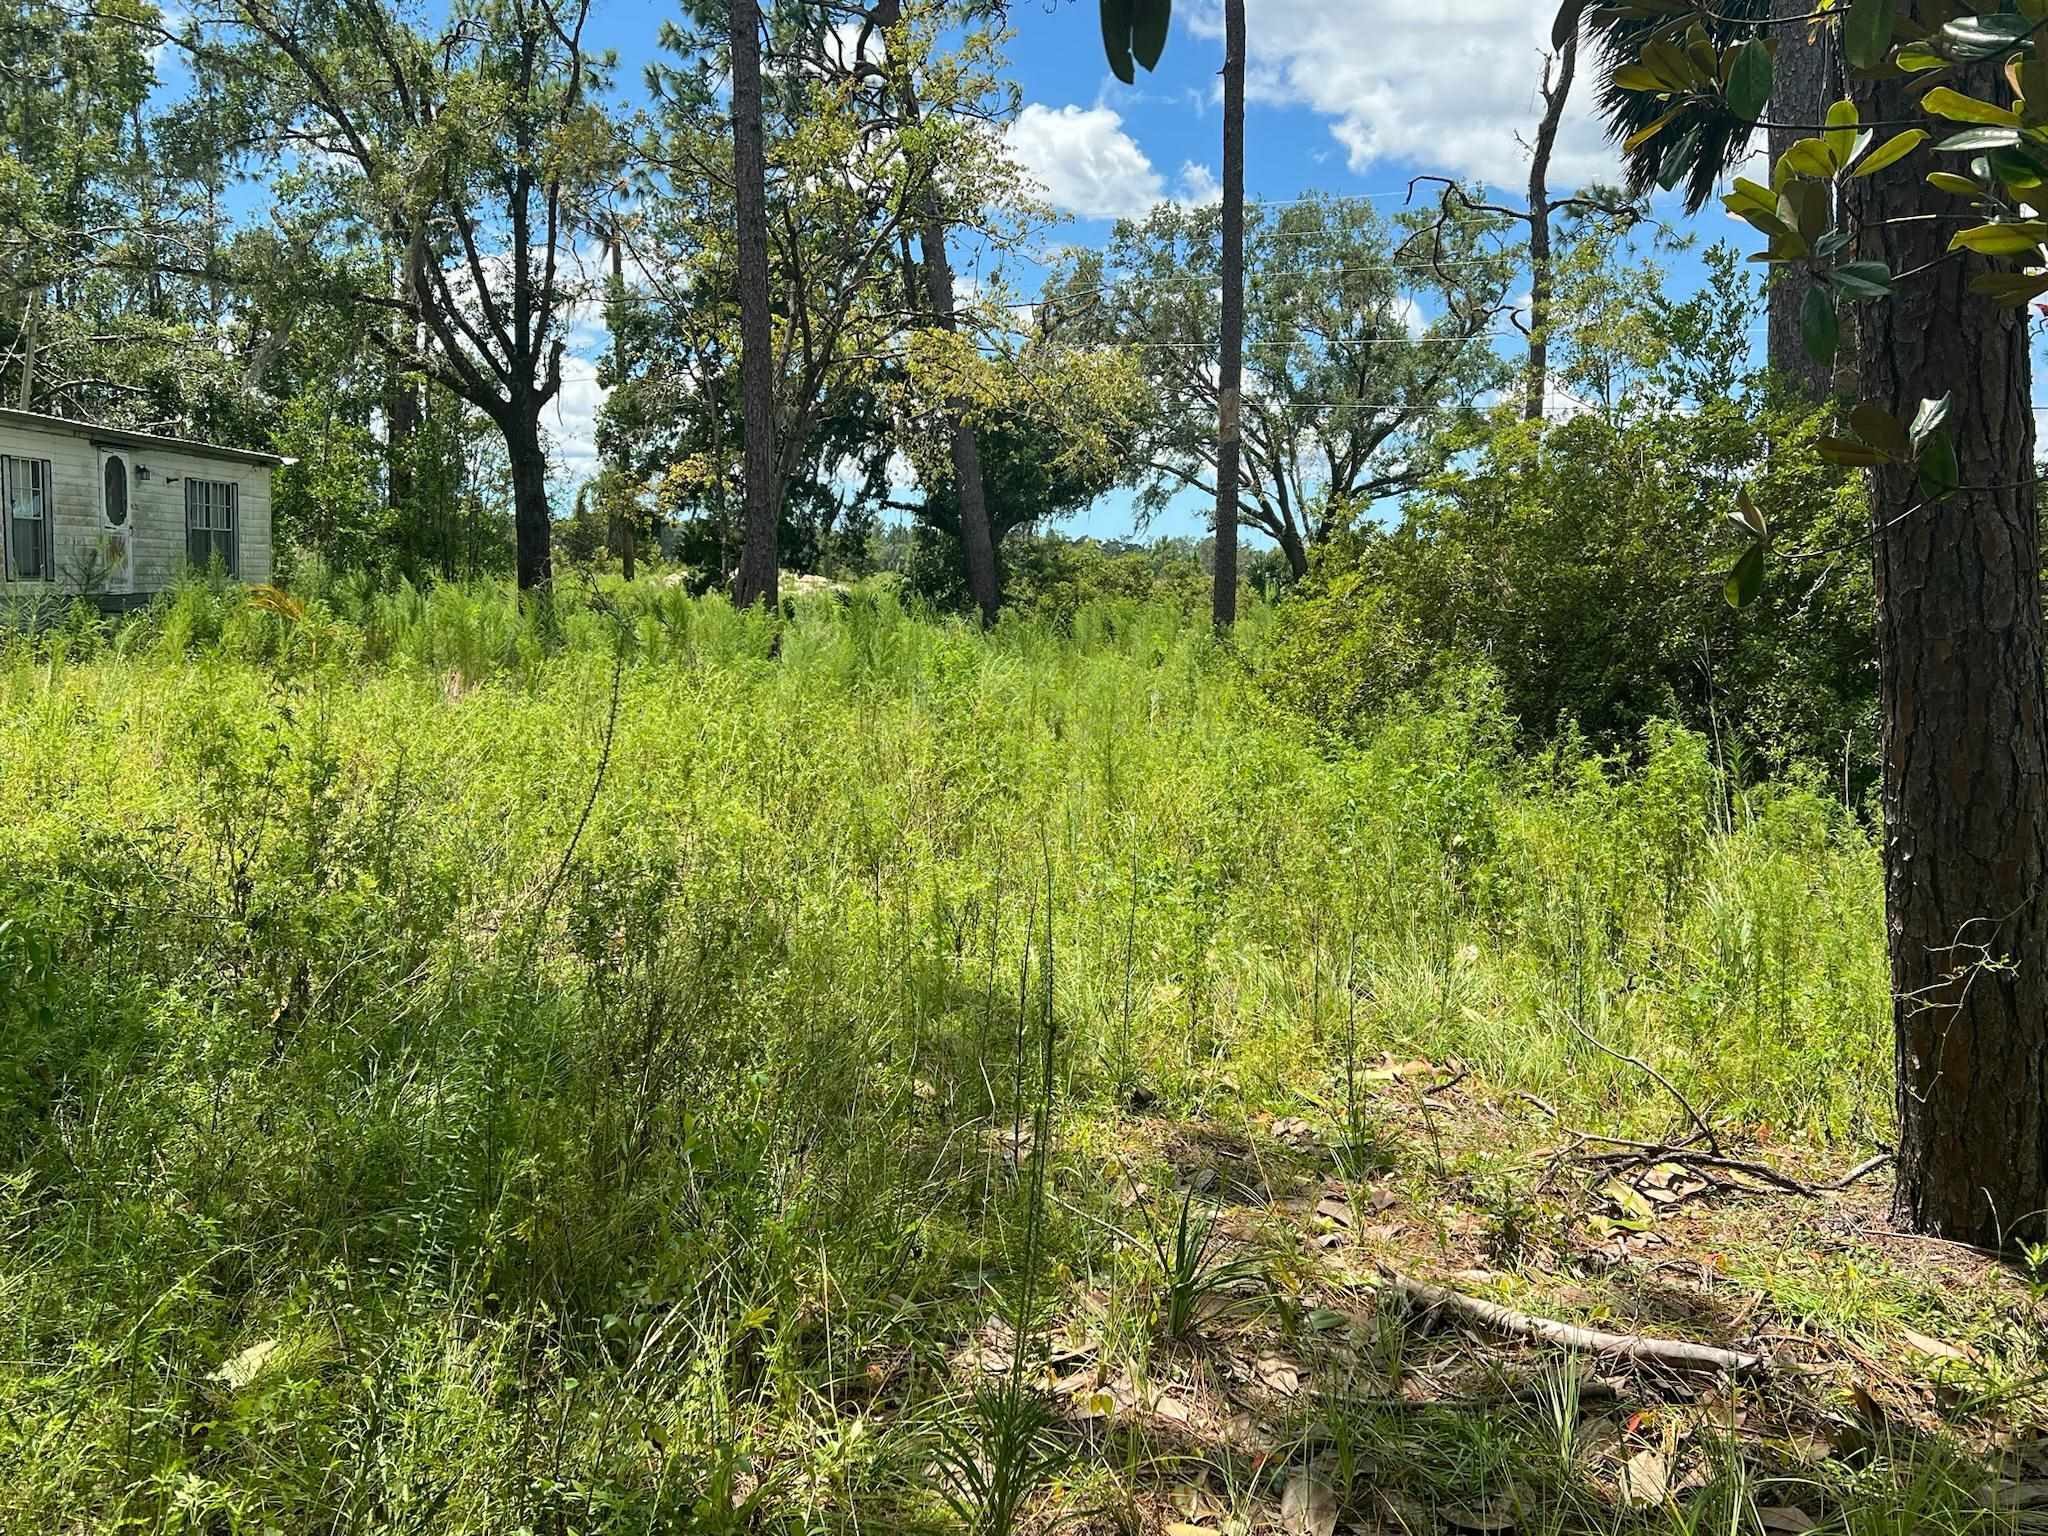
558, 1160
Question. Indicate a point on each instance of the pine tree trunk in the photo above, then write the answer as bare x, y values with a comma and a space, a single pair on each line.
1223, 606
1964, 728
532, 522
977, 541
1556, 92
759, 575
1799, 100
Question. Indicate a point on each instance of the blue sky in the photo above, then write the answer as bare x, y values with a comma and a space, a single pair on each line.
1349, 97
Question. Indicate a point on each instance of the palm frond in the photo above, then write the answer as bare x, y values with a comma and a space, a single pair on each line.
1721, 139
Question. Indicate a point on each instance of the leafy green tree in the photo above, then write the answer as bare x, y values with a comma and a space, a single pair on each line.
1572, 560
477, 151
1366, 343
866, 363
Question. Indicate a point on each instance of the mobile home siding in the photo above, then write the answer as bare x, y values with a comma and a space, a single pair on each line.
156, 504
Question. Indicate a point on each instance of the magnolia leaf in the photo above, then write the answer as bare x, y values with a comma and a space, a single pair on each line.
1750, 194
1890, 152
2032, 86
1819, 328
1847, 452
1807, 157
2013, 239
1917, 58
1746, 515
1118, 16
1566, 25
1749, 80
1679, 156
2015, 168
1867, 33
1940, 476
1633, 77
1148, 30
1936, 1349
1807, 207
1929, 415
2010, 287
1882, 430
1969, 38
1841, 130
1948, 181
1958, 108
1862, 279
1785, 1518
1671, 65
1971, 139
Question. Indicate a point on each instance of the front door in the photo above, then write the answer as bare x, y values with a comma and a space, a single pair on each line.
117, 524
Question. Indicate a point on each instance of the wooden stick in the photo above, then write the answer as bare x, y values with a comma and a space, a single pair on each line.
1593, 1341
1648, 1154
1698, 1120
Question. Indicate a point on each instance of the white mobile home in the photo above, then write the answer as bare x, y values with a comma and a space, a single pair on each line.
116, 515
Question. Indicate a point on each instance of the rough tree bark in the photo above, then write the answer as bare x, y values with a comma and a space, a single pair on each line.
1223, 609
1799, 99
759, 574
1964, 725
977, 545
1556, 92
532, 517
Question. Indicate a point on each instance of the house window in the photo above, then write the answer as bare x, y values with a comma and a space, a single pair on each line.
211, 530
25, 488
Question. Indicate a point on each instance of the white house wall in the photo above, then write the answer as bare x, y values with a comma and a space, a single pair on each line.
156, 506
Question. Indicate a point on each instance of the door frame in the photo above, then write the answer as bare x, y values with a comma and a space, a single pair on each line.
120, 580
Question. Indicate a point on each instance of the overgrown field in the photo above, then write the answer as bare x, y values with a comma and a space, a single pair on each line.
469, 1073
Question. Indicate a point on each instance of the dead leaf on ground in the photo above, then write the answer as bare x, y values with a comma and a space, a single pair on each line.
1279, 1374
1391, 1070
1335, 1207
1308, 1506
1646, 1478
1492, 1516
246, 1366
1938, 1349
1784, 1517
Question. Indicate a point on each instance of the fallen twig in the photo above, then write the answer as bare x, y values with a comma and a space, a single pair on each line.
1626, 1346
1643, 1154
1698, 1120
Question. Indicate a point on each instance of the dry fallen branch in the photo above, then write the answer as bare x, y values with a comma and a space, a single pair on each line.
1647, 1154
1592, 1341
1699, 1121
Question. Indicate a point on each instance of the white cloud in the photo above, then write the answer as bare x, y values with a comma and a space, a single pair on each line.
1198, 185
1085, 161
574, 424
1446, 87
